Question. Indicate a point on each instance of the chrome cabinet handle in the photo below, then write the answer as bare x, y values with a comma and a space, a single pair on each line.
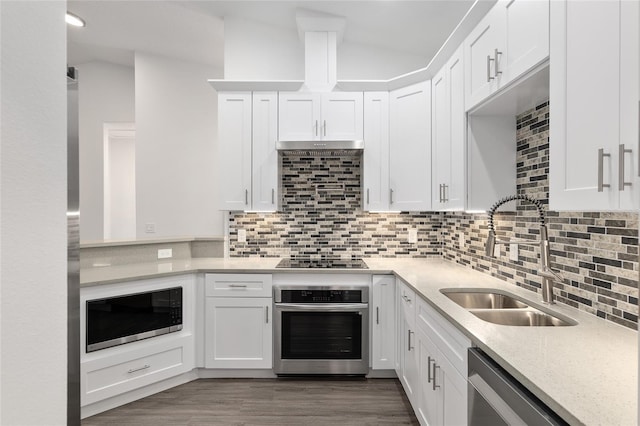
445, 193
316, 127
495, 65
435, 386
429, 361
267, 314
638, 138
367, 196
377, 315
390, 196
246, 197
406, 299
133, 370
440, 192
409, 340
489, 59
621, 152
601, 184
273, 196
324, 128
238, 285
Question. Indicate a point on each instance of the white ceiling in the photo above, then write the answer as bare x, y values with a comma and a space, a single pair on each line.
193, 30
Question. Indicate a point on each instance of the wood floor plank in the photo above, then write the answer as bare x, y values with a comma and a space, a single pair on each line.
263, 402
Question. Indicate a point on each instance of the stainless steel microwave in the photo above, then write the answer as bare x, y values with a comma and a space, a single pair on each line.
128, 318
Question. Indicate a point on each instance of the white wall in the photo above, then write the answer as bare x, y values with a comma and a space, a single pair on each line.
33, 238
106, 93
255, 51
176, 115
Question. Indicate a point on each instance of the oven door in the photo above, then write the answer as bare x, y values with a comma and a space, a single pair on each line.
321, 339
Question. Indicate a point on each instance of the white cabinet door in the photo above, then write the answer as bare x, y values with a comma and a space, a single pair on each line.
342, 116
383, 336
234, 139
410, 374
265, 156
238, 333
299, 116
527, 36
376, 153
448, 136
480, 50
410, 148
595, 119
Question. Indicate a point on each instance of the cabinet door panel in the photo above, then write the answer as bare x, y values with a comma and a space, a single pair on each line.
480, 48
238, 333
410, 148
234, 139
299, 116
455, 193
527, 36
342, 116
265, 156
383, 319
376, 153
441, 139
587, 103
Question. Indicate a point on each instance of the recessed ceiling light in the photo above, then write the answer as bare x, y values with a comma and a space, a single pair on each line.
74, 20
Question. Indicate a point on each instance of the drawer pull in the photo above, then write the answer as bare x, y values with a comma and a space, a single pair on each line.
601, 184
429, 361
435, 386
238, 285
133, 370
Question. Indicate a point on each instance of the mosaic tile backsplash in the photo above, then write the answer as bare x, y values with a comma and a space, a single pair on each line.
596, 252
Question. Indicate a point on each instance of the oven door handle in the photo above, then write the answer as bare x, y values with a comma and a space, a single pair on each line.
332, 307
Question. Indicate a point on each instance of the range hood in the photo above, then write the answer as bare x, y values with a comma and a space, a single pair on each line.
318, 148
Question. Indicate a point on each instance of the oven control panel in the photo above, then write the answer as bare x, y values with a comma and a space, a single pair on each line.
321, 296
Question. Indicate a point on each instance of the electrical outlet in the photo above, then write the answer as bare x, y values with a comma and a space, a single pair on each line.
412, 237
461, 239
242, 235
513, 252
165, 253
150, 228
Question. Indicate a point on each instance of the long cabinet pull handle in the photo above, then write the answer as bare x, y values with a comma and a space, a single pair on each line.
446, 193
367, 196
435, 386
440, 193
273, 196
429, 361
238, 285
377, 315
601, 184
621, 152
495, 64
267, 314
390, 196
489, 59
316, 128
409, 341
324, 128
133, 370
246, 197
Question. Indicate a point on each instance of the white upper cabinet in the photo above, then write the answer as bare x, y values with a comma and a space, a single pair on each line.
594, 105
376, 151
265, 156
248, 164
509, 41
448, 135
410, 148
320, 116
234, 138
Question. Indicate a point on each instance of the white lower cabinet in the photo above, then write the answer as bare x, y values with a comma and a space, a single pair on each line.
113, 371
383, 318
433, 361
238, 326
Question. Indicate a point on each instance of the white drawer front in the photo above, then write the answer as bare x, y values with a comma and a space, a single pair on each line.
238, 285
451, 342
407, 301
111, 376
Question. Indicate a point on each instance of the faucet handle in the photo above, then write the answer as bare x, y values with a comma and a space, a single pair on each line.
548, 272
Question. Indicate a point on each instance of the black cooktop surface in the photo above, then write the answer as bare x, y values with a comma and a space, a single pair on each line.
322, 263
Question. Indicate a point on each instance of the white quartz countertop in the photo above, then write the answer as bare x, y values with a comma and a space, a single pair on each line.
587, 373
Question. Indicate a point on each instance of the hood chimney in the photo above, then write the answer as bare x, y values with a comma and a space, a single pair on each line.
321, 34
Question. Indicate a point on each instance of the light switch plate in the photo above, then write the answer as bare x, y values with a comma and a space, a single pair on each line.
513, 252
150, 228
412, 237
165, 253
242, 235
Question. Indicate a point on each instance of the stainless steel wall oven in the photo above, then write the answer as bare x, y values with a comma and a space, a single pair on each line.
321, 330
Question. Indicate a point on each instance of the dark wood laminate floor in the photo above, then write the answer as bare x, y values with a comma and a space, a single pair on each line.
248, 402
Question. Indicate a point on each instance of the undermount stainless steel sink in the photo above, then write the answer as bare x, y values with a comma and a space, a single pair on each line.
500, 307
530, 317
484, 300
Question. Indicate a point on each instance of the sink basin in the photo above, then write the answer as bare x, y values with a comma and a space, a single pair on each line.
484, 300
529, 317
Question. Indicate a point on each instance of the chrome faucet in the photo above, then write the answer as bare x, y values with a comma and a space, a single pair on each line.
547, 274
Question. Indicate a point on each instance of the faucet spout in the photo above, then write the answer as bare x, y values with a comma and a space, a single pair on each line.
545, 272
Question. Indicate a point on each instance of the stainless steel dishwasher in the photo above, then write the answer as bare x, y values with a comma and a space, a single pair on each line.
496, 398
